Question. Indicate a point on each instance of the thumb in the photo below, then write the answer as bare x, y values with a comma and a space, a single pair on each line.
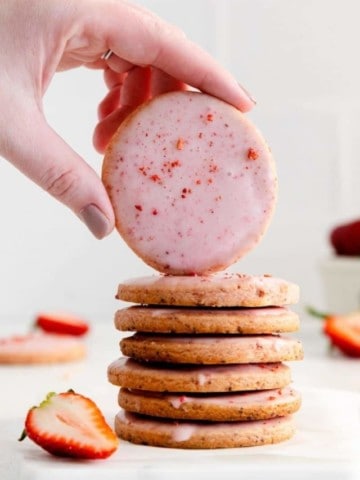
36, 149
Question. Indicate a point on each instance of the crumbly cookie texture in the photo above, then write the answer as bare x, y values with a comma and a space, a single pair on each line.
196, 378
211, 349
219, 290
245, 321
186, 434
226, 407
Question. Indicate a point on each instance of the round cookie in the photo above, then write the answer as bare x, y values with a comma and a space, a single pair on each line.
258, 405
190, 434
211, 349
184, 378
40, 348
192, 183
201, 320
220, 290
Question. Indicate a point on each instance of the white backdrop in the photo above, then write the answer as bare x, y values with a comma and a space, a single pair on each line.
299, 58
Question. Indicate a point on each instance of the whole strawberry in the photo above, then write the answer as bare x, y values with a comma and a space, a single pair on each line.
70, 425
346, 239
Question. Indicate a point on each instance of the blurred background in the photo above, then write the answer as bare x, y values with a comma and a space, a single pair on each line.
299, 59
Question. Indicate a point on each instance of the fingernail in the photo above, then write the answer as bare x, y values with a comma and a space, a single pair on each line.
95, 220
247, 93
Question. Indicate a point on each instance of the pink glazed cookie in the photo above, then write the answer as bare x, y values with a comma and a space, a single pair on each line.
211, 349
192, 183
246, 321
220, 290
40, 348
226, 407
190, 434
160, 377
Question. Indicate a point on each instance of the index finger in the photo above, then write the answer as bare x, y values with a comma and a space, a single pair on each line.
142, 38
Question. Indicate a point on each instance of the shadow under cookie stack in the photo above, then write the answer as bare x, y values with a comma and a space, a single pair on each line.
205, 366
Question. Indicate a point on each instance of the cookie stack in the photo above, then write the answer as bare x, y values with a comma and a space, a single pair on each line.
205, 366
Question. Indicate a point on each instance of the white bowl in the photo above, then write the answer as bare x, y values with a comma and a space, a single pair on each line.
341, 281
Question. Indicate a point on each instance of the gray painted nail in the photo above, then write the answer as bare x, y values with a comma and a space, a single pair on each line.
95, 220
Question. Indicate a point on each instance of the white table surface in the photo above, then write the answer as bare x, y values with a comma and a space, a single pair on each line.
327, 444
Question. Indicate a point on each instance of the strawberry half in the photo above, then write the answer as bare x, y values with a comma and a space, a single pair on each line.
70, 425
61, 323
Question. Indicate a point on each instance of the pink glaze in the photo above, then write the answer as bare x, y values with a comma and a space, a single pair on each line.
203, 372
192, 182
277, 396
264, 397
276, 343
231, 312
183, 430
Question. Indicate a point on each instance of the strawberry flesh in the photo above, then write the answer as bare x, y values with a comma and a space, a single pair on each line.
344, 332
70, 425
61, 324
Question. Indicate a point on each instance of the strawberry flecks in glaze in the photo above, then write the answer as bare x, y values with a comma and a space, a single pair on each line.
187, 155
252, 154
180, 144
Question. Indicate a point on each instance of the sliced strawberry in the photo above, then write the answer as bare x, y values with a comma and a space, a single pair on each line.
344, 332
70, 425
62, 323
346, 239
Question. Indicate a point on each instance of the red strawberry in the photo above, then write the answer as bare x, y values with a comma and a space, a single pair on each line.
61, 323
346, 239
70, 425
343, 331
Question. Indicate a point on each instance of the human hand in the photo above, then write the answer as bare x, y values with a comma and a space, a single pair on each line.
149, 56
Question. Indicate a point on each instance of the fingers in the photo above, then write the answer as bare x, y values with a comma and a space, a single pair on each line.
113, 79
118, 64
144, 39
106, 128
125, 95
162, 83
45, 158
110, 103
137, 87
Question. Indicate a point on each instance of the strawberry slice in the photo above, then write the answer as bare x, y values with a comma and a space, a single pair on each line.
70, 425
61, 323
342, 330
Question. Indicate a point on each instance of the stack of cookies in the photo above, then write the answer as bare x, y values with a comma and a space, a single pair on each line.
205, 366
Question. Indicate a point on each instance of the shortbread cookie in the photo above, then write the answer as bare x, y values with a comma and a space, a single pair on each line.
211, 349
220, 290
40, 348
184, 378
192, 183
202, 320
223, 407
190, 434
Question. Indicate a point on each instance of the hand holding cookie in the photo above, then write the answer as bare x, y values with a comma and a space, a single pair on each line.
65, 35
